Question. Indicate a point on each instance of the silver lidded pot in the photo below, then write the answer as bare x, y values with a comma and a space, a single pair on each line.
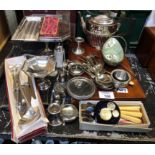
98, 29
101, 25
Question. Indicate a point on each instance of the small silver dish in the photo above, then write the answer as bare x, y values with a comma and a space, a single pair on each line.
69, 112
104, 81
76, 69
120, 78
81, 88
121, 75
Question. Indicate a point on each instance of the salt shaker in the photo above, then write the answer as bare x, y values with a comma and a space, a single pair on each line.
59, 54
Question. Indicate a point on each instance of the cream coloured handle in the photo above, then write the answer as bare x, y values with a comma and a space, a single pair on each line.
132, 119
132, 113
130, 108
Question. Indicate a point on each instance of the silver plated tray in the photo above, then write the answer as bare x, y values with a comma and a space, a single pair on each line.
28, 30
81, 88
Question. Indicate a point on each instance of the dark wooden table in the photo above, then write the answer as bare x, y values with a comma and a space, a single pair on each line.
135, 92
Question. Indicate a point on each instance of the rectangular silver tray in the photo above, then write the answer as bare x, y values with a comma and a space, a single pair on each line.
28, 30
125, 128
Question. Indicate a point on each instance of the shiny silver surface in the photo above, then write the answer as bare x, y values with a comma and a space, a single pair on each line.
54, 110
40, 66
59, 54
29, 117
78, 50
28, 30
104, 81
81, 88
27, 92
59, 88
103, 20
69, 112
120, 78
121, 75
23, 92
76, 69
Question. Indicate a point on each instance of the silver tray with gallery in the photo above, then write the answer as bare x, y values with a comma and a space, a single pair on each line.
46, 28
125, 116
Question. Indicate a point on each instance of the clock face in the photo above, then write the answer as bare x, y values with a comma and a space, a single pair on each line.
112, 51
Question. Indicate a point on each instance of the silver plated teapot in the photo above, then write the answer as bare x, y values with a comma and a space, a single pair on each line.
99, 28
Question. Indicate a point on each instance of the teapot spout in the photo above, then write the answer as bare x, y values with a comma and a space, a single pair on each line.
82, 21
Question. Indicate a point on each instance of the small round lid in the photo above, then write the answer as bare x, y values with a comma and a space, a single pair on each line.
103, 20
81, 88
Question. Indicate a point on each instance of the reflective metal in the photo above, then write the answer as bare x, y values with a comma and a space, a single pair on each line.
54, 110
81, 88
120, 78
69, 112
40, 66
78, 50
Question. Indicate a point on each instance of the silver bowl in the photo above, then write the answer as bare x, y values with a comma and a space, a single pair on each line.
69, 112
40, 66
120, 78
76, 69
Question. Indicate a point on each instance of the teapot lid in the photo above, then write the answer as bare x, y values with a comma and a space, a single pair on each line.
102, 19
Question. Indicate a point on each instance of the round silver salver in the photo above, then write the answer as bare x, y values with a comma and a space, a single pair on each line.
81, 88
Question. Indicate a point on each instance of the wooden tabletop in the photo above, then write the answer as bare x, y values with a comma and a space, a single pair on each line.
135, 92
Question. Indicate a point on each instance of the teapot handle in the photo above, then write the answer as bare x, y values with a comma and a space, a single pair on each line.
118, 26
122, 38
